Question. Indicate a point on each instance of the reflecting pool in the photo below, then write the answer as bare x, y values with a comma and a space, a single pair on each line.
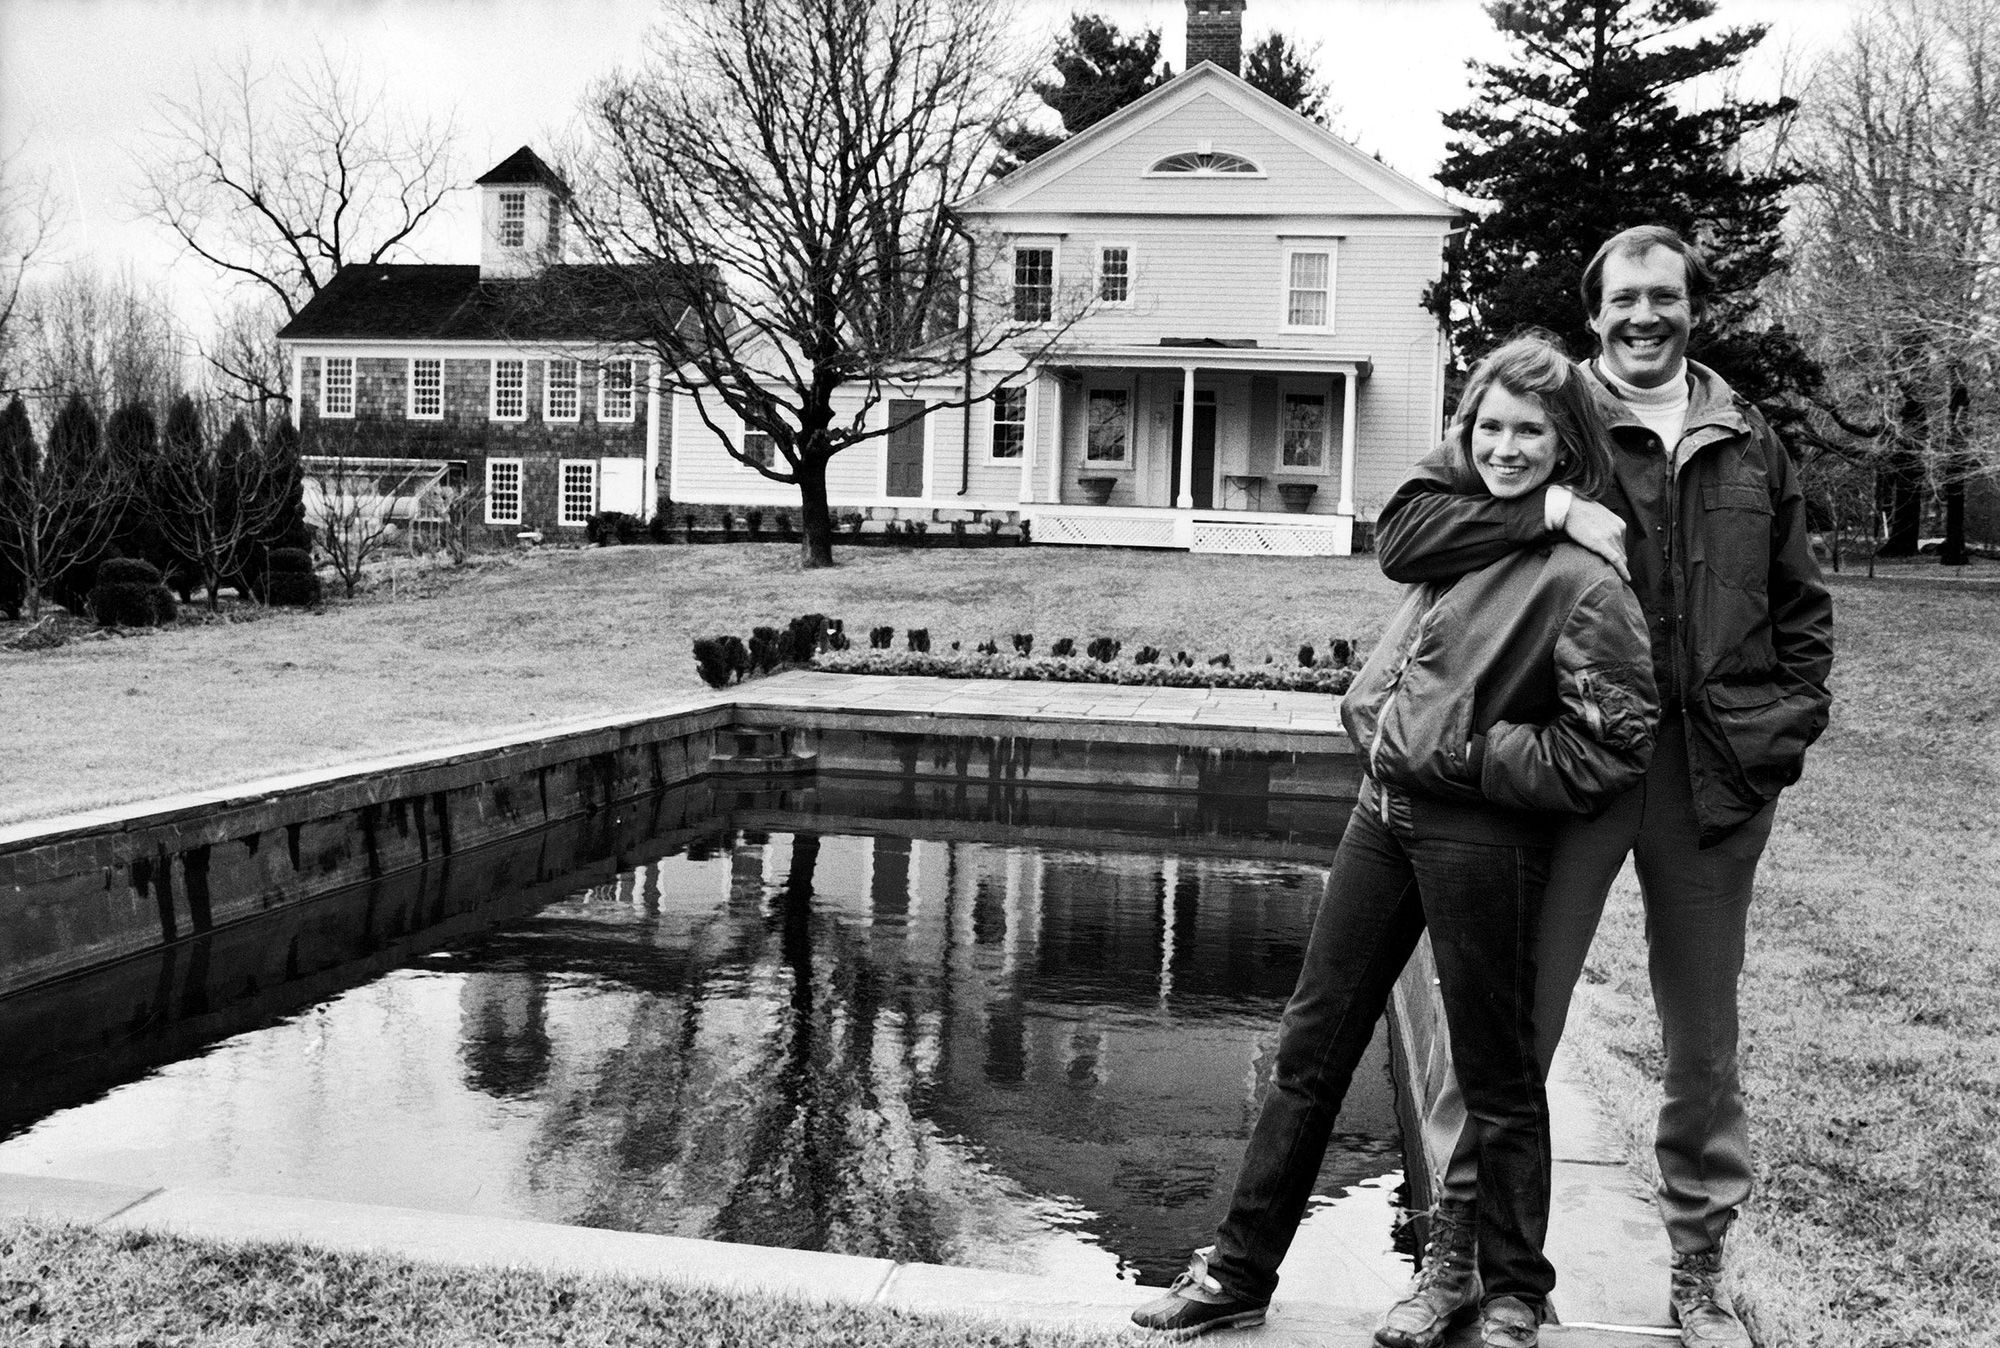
1030, 1057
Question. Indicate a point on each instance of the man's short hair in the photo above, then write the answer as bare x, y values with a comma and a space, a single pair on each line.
1636, 242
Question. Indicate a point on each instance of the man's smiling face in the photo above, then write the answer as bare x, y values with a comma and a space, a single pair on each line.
1645, 316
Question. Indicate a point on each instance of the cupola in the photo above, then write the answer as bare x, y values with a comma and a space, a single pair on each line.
521, 208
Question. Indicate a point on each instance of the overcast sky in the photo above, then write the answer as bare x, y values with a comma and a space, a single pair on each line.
80, 80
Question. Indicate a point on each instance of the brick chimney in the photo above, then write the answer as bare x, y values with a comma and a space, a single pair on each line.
1215, 33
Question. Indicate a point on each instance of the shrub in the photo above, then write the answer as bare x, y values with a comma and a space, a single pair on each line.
1085, 671
1221, 661
660, 527
853, 519
720, 659
1024, 644
1306, 655
1103, 649
806, 637
754, 519
1147, 655
129, 593
611, 526
290, 581
1343, 654
764, 649
920, 639
880, 637
1063, 648
988, 647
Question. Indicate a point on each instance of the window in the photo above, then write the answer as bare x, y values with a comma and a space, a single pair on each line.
1114, 273
576, 501
336, 395
1110, 425
1303, 424
513, 219
614, 391
1309, 290
426, 390
1206, 162
555, 227
559, 400
1010, 423
759, 448
503, 491
510, 390
1034, 284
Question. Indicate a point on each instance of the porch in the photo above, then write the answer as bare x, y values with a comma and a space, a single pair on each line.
1199, 445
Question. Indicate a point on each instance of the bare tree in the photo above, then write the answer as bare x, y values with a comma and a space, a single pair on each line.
110, 337
1897, 281
213, 497
58, 503
806, 153
27, 222
246, 365
358, 503
279, 178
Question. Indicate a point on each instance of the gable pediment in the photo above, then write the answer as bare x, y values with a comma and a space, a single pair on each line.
1208, 115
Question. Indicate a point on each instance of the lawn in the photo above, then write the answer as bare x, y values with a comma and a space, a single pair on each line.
555, 635
1872, 998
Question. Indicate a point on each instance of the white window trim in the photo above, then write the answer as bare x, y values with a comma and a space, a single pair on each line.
743, 443
1332, 285
632, 414
1131, 275
493, 387
1089, 467
1053, 247
562, 475
410, 390
1329, 449
520, 491
548, 389
993, 425
353, 387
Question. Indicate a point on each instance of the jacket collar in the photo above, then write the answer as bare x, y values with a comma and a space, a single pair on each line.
1714, 410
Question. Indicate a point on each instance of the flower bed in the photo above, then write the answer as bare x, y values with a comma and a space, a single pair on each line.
1082, 669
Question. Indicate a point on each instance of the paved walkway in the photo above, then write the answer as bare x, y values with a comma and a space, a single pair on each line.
1605, 1240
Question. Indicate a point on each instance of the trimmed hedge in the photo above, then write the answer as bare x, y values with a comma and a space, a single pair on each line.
129, 593
1072, 669
292, 583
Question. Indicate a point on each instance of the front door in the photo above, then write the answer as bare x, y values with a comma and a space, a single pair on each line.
1203, 467
906, 448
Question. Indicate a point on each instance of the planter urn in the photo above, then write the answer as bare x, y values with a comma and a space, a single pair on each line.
1297, 496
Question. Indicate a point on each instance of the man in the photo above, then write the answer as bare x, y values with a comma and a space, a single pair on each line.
1707, 521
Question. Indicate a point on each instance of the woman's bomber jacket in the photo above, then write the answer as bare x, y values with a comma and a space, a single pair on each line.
1522, 691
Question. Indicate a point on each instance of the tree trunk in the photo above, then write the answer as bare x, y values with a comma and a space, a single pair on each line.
1956, 468
815, 516
1900, 485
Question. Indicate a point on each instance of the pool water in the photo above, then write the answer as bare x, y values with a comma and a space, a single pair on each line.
1030, 1058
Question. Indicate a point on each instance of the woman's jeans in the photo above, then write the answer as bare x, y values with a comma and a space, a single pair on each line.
1481, 902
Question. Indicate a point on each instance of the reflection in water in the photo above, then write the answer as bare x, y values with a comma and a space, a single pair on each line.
950, 1051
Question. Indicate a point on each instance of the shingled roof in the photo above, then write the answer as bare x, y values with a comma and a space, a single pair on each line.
406, 302
524, 166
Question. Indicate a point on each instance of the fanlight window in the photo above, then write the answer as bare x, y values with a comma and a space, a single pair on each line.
1205, 161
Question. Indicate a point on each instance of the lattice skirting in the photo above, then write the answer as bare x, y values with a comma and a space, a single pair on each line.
1105, 531
1267, 540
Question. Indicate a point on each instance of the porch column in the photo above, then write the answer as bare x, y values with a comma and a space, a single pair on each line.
1055, 445
1186, 458
1346, 507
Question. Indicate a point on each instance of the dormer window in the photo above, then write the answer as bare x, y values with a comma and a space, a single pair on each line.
513, 219
1206, 163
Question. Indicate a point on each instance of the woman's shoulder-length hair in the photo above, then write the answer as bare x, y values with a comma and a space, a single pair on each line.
1533, 364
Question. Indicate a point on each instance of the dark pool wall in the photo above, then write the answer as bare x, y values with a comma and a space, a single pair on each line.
117, 884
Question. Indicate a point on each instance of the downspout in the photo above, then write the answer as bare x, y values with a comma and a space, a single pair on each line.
952, 223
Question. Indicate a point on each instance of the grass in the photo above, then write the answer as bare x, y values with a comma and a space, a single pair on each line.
1871, 1004
63, 1287
450, 656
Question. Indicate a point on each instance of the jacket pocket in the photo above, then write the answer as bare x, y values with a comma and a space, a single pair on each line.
1736, 532
1767, 732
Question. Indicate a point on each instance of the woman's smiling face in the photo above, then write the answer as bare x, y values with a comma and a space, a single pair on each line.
1514, 444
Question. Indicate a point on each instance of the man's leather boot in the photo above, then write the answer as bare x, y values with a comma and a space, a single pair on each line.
1446, 1289
1700, 1307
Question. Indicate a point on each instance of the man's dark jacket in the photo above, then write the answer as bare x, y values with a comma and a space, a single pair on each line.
1740, 621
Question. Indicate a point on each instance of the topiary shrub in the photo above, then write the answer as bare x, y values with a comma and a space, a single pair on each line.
720, 659
290, 581
879, 638
919, 638
130, 593
1063, 648
1103, 649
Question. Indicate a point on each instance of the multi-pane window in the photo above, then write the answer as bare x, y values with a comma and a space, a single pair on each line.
559, 397
336, 395
513, 219
1114, 274
759, 448
1303, 424
1110, 425
510, 390
1034, 284
426, 389
576, 500
615, 400
1309, 292
555, 227
1010, 423
503, 491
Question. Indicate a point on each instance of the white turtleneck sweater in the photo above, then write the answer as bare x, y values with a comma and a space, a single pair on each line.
1662, 410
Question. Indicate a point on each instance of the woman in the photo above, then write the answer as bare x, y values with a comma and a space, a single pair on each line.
1491, 708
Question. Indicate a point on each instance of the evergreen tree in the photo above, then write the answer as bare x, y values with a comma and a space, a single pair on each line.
1278, 68
1579, 138
18, 461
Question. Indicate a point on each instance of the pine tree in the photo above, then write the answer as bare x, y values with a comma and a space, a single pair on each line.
1101, 70
1580, 137
1278, 68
